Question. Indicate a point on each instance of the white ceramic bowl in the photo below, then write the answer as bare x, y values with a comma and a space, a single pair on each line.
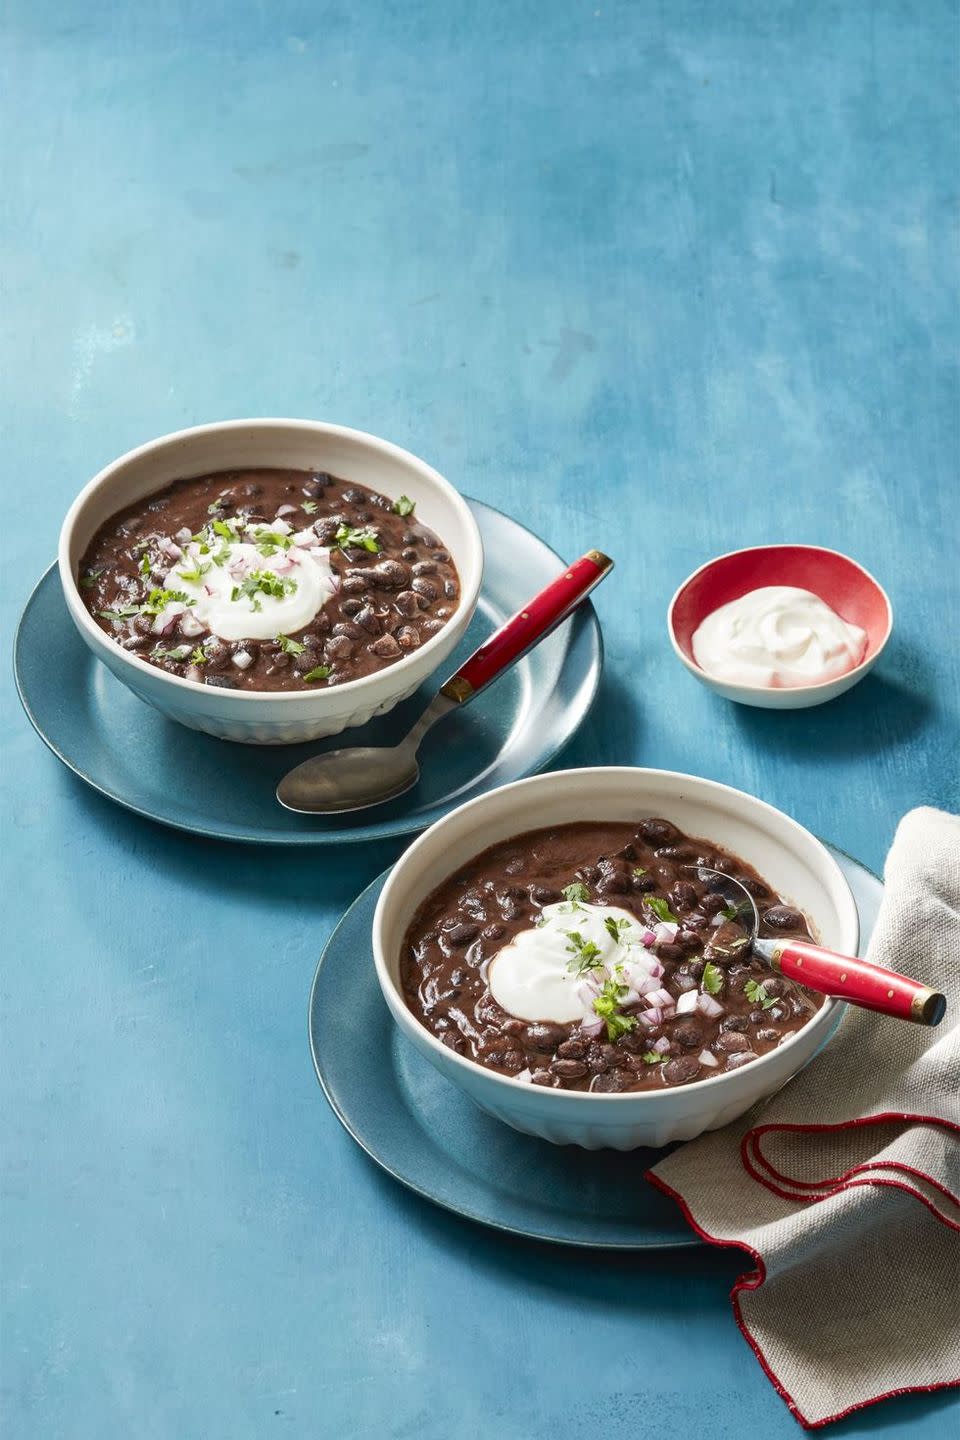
786, 855
247, 715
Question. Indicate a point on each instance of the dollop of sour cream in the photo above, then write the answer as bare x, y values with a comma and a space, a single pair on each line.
777, 636
246, 594
539, 975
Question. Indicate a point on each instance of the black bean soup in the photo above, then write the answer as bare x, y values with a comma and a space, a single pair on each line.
252, 537
696, 946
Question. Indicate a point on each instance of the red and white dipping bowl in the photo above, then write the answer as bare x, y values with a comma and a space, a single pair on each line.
840, 582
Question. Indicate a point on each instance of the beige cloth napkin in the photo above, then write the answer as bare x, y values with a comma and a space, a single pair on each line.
845, 1187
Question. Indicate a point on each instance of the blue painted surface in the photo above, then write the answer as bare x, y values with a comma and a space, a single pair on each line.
666, 278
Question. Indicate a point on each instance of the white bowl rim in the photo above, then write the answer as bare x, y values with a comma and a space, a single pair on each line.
830, 1003
240, 698
849, 676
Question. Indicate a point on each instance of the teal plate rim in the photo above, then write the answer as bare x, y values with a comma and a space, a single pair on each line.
582, 630
400, 1061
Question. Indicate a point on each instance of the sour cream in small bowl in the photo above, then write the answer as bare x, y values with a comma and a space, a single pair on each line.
781, 627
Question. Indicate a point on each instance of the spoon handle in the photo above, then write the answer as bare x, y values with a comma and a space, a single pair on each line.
522, 631
870, 986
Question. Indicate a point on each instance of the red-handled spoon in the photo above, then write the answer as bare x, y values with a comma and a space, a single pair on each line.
365, 775
871, 986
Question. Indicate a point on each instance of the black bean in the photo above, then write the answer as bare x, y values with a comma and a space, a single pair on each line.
572, 1049
734, 1022
352, 607
544, 1037
450, 589
768, 1036
135, 642
612, 1083
460, 932
688, 1034
430, 627
426, 588
409, 554
347, 627
683, 895
681, 1070
409, 537
370, 620
569, 1069
439, 553
657, 832
543, 894
543, 1077
731, 1042
424, 567
386, 648
222, 682
408, 603
389, 575
408, 637
741, 1058
756, 887
513, 1061
781, 917
494, 931
353, 585
338, 647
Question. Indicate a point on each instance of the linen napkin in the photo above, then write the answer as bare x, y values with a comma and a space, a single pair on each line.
844, 1189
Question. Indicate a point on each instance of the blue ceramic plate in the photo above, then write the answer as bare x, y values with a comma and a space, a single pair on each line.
426, 1133
130, 752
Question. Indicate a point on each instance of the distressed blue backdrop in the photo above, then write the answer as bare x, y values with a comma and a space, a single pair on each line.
667, 278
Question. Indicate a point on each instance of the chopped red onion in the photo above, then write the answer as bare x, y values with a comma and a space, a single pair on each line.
286, 510
243, 659
651, 1018
195, 673
282, 565
190, 626
165, 621
306, 538
208, 589
666, 932
659, 997
708, 1005
524, 1075
167, 547
183, 535
592, 1025
649, 938
687, 1002
718, 919
706, 1058
280, 527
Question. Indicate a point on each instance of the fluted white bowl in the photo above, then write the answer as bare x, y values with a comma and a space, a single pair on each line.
792, 860
273, 717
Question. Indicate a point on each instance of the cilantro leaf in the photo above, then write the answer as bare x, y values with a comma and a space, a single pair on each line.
263, 582
653, 1057
160, 599
404, 506
712, 979
199, 657
607, 1006
350, 539
755, 991
319, 672
90, 579
290, 647
577, 894
195, 575
637, 871
586, 955
145, 565
121, 613
613, 927
660, 908
308, 506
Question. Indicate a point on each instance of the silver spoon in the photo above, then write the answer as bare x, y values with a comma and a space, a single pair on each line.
871, 986
364, 775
